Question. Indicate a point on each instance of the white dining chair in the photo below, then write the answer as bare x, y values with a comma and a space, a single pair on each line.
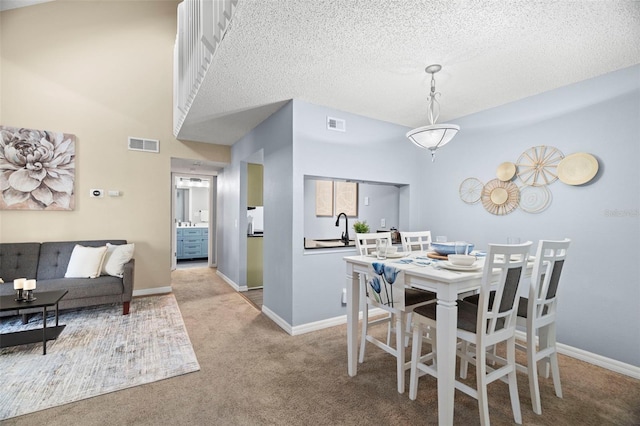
415, 240
386, 290
366, 246
537, 314
480, 327
366, 242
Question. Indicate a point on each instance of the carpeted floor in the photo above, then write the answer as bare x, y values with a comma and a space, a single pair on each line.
99, 351
253, 373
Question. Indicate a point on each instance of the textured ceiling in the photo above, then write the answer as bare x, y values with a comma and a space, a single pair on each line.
368, 56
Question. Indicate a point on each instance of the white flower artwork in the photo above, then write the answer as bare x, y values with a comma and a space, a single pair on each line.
37, 169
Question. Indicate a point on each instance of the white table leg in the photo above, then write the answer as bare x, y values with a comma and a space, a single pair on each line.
353, 303
447, 319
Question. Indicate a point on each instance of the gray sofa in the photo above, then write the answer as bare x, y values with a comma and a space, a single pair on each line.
47, 263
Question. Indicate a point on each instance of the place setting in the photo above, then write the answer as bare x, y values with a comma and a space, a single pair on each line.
456, 256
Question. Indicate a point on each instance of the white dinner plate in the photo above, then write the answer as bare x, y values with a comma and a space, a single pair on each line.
449, 265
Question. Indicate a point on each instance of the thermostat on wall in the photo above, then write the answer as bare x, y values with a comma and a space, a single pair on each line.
93, 193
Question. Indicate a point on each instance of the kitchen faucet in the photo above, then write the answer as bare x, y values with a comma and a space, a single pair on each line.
345, 234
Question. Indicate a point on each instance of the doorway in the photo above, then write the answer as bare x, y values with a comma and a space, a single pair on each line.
193, 213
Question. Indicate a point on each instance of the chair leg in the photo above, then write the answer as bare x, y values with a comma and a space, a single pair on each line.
400, 320
416, 352
532, 370
513, 381
408, 330
363, 333
543, 343
364, 308
553, 359
392, 319
481, 385
464, 363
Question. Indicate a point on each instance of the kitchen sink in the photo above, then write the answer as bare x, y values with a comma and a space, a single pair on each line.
326, 243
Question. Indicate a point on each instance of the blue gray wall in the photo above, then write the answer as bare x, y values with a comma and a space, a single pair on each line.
600, 293
270, 143
599, 305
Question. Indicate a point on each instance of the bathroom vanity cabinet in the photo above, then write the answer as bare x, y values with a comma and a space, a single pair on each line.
192, 243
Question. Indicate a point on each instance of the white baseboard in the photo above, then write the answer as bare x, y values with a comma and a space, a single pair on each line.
591, 358
600, 361
152, 291
231, 283
279, 321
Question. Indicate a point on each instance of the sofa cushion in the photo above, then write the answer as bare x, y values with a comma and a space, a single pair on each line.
54, 256
18, 260
115, 258
85, 262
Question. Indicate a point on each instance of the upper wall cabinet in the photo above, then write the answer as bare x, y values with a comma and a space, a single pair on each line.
254, 185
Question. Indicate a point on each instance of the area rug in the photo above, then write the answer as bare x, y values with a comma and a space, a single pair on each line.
99, 351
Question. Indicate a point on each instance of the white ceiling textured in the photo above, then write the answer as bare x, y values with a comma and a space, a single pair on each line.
14, 4
368, 57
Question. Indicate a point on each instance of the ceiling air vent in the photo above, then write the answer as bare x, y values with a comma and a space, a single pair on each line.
336, 124
146, 145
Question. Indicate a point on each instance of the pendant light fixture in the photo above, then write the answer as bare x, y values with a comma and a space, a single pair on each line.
434, 135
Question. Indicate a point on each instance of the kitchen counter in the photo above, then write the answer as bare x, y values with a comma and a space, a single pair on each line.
327, 243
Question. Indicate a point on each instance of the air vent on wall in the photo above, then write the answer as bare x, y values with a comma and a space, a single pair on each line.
146, 145
336, 124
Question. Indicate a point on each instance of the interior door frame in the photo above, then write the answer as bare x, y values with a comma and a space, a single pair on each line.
212, 202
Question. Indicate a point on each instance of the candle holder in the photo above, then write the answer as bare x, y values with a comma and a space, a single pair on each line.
28, 297
19, 295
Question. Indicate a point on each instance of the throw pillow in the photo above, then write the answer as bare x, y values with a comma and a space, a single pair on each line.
115, 259
85, 262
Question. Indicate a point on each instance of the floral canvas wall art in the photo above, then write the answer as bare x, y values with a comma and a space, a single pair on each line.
37, 169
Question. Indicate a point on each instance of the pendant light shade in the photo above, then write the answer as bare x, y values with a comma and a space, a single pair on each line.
433, 136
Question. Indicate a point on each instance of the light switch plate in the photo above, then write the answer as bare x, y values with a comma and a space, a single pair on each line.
383, 223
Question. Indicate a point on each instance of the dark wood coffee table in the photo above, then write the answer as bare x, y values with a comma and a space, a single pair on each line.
44, 299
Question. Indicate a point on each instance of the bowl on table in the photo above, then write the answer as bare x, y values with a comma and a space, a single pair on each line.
461, 259
450, 248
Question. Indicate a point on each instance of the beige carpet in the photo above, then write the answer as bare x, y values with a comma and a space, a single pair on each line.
99, 351
253, 373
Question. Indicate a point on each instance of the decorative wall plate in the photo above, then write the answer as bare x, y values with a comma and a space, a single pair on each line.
500, 197
534, 199
537, 166
578, 168
471, 190
506, 171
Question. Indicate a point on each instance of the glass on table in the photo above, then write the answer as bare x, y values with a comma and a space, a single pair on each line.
381, 248
461, 247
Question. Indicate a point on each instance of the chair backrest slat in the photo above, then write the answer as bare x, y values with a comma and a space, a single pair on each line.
415, 241
366, 243
497, 313
550, 257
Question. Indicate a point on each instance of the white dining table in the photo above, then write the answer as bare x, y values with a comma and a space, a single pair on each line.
448, 285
